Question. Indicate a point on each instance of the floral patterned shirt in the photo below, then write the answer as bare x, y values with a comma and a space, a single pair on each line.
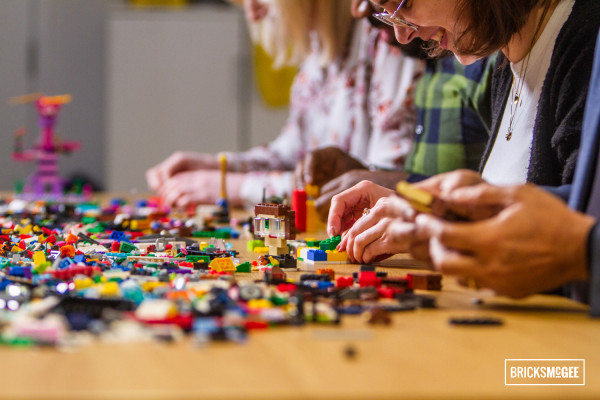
362, 103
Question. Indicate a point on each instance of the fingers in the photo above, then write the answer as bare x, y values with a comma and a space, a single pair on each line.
388, 237
153, 179
309, 170
467, 237
387, 207
342, 207
452, 262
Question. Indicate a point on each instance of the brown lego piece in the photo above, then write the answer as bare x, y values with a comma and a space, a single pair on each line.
277, 273
327, 271
424, 281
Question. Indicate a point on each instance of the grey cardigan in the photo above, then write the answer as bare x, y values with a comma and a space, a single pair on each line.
557, 129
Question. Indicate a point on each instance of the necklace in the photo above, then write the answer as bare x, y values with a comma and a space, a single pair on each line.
517, 89
516, 100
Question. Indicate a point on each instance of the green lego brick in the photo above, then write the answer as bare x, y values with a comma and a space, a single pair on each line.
244, 267
126, 247
197, 259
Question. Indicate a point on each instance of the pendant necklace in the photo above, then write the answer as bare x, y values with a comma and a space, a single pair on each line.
516, 99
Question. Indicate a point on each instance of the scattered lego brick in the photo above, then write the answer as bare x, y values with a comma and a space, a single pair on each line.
426, 281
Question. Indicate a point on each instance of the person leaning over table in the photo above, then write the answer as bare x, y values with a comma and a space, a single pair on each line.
535, 243
352, 91
452, 103
551, 124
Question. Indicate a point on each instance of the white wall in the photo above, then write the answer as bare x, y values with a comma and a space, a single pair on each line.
186, 76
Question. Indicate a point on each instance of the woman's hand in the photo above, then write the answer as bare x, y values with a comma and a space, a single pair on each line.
179, 161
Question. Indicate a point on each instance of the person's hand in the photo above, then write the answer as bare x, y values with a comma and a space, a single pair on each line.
200, 187
387, 179
442, 185
179, 161
383, 232
322, 165
256, 10
348, 206
533, 245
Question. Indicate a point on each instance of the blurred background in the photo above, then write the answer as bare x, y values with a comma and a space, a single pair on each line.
148, 77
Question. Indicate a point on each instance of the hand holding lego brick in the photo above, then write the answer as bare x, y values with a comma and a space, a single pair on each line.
380, 233
516, 252
322, 165
349, 179
348, 206
177, 162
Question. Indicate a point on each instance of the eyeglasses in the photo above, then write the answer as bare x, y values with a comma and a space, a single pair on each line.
393, 19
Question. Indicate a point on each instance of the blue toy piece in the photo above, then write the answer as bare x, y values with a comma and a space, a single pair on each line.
316, 255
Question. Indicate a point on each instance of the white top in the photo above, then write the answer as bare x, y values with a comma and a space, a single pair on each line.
508, 163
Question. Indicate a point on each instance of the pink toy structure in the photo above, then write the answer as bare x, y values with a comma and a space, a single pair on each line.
45, 181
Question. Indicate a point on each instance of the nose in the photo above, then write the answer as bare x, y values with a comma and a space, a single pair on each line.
404, 35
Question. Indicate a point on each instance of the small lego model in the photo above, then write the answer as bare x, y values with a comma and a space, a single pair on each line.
46, 151
275, 222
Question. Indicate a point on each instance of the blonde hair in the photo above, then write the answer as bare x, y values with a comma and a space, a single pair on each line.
285, 33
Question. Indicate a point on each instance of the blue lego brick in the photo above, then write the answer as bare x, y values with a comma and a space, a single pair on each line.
316, 255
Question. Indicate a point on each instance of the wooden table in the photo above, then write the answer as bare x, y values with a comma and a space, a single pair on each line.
419, 356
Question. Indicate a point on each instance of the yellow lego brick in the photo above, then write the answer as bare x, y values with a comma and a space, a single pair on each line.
313, 222
109, 289
334, 255
39, 258
273, 261
278, 251
261, 250
224, 264
83, 283
275, 242
140, 224
259, 303
150, 286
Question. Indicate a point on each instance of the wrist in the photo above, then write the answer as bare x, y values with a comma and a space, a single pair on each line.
578, 256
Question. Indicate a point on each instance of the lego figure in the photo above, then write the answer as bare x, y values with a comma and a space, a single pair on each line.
275, 222
46, 151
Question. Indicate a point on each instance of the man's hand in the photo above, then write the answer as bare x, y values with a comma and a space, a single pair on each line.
533, 245
322, 165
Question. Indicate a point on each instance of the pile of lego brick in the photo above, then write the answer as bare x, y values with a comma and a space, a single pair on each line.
67, 272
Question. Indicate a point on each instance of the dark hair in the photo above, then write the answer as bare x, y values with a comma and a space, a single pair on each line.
490, 24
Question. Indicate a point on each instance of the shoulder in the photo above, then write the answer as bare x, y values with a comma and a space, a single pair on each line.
578, 34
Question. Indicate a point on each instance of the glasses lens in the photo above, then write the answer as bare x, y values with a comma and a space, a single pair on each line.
384, 17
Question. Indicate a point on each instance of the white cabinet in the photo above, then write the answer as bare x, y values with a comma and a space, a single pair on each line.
177, 80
